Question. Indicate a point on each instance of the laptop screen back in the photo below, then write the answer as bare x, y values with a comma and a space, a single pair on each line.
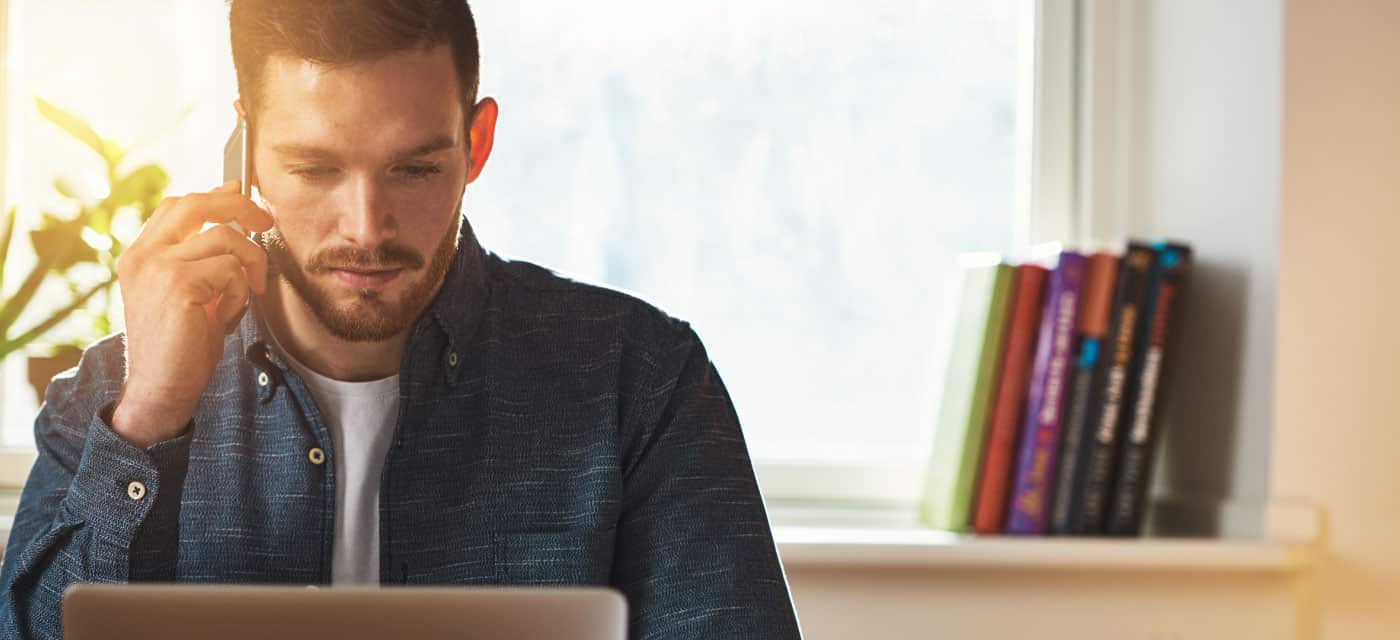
167, 612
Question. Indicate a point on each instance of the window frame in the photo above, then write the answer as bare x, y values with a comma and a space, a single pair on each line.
1046, 169
14, 462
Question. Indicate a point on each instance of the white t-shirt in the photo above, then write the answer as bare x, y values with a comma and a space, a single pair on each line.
361, 418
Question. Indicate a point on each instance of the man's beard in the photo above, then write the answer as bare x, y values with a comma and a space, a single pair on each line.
368, 318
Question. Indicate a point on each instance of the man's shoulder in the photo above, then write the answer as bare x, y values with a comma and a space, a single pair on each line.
534, 297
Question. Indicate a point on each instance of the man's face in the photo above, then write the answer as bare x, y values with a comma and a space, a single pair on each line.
363, 168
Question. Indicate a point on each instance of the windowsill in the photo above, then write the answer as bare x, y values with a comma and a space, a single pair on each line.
887, 539
829, 548
909, 548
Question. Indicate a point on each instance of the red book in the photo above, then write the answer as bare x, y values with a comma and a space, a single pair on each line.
1004, 426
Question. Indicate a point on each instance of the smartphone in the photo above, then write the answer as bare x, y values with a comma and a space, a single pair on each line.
238, 163
238, 166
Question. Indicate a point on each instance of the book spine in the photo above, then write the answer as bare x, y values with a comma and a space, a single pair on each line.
1126, 514
1112, 388
989, 511
1040, 434
1093, 326
974, 357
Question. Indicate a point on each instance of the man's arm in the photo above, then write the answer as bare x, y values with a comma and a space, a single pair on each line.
102, 502
695, 555
80, 517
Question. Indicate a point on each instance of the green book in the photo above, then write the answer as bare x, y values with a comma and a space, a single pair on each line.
968, 392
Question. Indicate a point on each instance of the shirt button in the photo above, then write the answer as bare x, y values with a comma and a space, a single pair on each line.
316, 455
262, 378
136, 490
452, 359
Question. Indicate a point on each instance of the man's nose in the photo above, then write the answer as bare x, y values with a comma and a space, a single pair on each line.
367, 220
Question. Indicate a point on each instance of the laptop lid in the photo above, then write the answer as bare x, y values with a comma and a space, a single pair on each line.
225, 612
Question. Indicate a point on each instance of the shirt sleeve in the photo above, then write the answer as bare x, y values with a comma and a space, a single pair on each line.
695, 555
95, 508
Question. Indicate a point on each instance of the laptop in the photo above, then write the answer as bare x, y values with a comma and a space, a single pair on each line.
225, 612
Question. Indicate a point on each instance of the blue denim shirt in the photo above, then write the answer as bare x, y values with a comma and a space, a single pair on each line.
549, 433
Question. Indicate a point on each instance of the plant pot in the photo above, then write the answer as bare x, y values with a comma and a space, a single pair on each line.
42, 369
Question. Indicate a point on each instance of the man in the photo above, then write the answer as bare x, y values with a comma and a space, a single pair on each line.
397, 405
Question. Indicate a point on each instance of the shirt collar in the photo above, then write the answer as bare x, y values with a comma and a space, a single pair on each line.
456, 311
461, 301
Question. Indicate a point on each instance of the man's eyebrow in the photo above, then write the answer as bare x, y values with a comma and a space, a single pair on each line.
312, 151
436, 144
303, 150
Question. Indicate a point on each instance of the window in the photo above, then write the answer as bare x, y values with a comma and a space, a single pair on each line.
155, 76
794, 178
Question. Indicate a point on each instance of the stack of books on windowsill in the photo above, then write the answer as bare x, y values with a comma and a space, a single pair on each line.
1049, 415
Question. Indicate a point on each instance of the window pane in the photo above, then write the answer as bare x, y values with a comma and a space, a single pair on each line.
792, 177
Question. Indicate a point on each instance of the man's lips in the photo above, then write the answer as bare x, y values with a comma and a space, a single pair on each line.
366, 279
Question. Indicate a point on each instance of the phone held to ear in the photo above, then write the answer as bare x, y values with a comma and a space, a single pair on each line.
238, 163
238, 166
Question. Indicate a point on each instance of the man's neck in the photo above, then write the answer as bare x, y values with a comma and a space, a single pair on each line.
302, 335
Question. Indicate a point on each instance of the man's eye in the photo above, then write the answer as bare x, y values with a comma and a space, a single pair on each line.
313, 172
419, 170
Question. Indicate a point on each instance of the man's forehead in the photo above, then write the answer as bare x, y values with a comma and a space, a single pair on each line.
430, 68
409, 98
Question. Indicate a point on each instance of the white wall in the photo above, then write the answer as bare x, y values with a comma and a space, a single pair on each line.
1202, 155
1338, 359
1046, 605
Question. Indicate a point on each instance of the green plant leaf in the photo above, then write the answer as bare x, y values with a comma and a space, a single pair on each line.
138, 187
65, 189
5, 236
109, 151
101, 324
10, 345
15, 304
149, 206
61, 242
100, 220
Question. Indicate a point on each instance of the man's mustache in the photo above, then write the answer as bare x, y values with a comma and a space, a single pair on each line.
383, 258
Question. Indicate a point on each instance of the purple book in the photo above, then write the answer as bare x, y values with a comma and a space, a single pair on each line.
1040, 432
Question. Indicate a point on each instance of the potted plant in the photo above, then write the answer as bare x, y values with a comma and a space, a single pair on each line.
76, 253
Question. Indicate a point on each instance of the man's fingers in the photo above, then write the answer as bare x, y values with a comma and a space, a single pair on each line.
223, 240
232, 302
204, 280
178, 218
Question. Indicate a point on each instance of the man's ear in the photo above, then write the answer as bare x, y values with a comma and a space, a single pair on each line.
483, 136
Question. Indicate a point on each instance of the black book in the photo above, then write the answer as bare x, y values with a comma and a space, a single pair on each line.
1110, 390
1095, 314
1134, 475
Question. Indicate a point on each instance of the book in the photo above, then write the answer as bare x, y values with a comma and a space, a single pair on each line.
1004, 427
974, 357
1040, 431
1110, 389
1093, 326
1125, 515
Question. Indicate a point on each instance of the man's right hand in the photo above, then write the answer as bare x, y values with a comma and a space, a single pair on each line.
180, 288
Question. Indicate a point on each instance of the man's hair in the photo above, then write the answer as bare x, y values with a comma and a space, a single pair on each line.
343, 32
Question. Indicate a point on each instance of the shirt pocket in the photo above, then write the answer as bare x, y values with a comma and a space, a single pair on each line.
571, 557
